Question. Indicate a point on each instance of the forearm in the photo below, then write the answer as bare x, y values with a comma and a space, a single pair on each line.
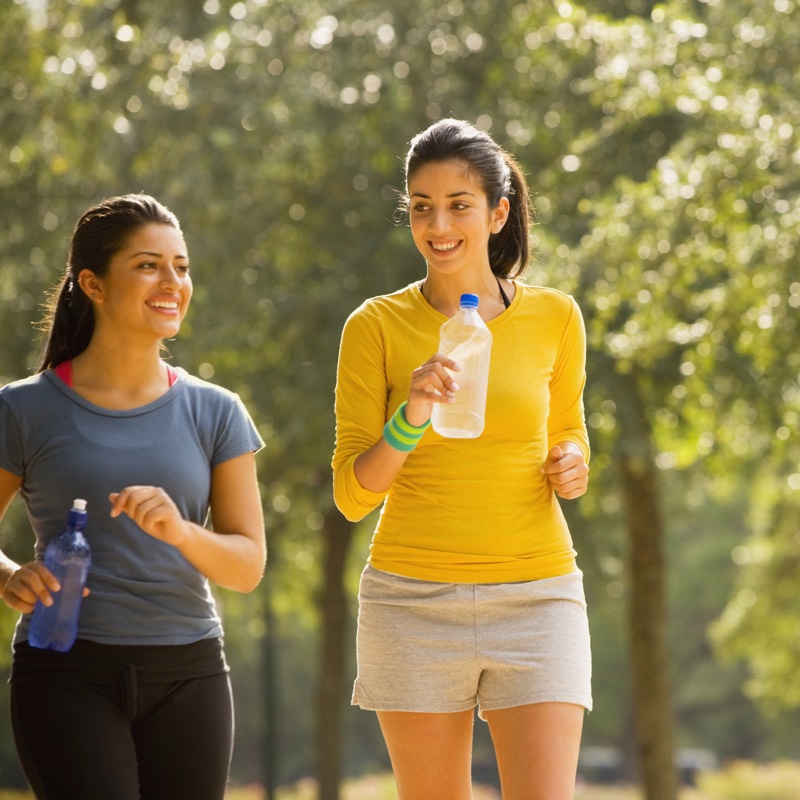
9, 486
232, 560
377, 468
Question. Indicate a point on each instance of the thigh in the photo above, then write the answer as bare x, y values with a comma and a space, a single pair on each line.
537, 749
184, 737
431, 754
73, 742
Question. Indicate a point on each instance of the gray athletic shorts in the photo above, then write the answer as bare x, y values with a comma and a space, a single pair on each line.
445, 647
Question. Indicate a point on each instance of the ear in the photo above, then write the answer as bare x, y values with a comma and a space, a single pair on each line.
91, 285
500, 215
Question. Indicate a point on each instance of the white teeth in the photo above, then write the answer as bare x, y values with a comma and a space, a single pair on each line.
444, 247
163, 304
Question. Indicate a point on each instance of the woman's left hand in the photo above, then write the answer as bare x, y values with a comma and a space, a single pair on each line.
153, 510
566, 471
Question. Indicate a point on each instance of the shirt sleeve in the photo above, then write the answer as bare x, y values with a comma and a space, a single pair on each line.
566, 421
361, 401
12, 455
237, 436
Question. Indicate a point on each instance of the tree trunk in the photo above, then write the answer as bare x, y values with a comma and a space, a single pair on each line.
270, 701
647, 606
338, 533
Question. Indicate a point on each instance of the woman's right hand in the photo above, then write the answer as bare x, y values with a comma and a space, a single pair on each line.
431, 383
29, 583
377, 467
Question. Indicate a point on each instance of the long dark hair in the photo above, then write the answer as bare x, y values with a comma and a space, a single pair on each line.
500, 176
100, 233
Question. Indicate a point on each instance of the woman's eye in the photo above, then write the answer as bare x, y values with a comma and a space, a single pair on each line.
183, 268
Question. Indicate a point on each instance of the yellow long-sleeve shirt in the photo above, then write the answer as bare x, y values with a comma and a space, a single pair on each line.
465, 510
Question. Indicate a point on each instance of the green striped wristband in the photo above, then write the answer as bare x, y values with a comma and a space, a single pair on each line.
400, 434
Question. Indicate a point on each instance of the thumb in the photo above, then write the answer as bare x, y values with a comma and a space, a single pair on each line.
555, 454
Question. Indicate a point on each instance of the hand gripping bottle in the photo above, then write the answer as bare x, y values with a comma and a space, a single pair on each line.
466, 339
68, 557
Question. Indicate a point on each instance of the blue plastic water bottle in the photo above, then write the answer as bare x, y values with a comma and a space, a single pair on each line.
68, 557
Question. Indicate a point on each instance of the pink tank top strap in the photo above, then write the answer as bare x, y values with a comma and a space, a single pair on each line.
64, 371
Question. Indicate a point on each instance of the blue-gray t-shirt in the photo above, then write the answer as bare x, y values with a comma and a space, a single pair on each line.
143, 591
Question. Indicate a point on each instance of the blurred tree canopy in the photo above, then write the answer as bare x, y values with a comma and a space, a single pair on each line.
662, 143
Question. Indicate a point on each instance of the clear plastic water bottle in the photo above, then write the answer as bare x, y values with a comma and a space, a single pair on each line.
466, 339
68, 557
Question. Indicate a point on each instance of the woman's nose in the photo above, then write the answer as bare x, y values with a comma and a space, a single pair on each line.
169, 275
440, 221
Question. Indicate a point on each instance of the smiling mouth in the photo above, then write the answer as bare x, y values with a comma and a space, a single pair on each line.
444, 247
168, 304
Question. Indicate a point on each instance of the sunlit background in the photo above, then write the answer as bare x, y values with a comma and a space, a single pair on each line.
662, 142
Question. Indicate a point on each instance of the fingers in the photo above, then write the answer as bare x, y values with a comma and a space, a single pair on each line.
431, 383
567, 473
31, 582
433, 378
152, 509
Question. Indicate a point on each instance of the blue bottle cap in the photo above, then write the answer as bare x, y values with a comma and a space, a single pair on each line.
469, 301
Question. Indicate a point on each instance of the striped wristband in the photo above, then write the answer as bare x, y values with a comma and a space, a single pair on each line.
400, 434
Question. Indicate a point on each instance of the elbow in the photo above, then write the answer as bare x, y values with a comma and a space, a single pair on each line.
246, 581
348, 506
251, 576
353, 514
350, 510
249, 585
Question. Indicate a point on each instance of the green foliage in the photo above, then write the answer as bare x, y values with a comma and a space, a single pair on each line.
760, 623
662, 143
748, 781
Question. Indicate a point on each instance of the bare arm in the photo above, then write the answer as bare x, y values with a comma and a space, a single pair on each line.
22, 585
232, 555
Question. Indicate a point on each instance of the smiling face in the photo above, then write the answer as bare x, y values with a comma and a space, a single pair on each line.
147, 288
450, 217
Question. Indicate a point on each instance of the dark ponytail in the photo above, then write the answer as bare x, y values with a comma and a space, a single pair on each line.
99, 235
500, 176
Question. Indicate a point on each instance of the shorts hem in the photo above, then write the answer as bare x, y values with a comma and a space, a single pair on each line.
434, 707
404, 708
499, 705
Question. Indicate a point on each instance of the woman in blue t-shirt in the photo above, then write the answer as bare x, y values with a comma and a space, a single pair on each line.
140, 706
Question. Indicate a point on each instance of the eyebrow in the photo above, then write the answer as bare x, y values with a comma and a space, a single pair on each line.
156, 255
454, 194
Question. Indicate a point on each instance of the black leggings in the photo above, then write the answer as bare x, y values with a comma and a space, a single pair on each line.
122, 723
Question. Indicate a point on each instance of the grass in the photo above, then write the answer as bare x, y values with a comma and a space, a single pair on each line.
381, 787
371, 787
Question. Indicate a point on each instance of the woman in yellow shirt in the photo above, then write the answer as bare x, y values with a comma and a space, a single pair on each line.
471, 594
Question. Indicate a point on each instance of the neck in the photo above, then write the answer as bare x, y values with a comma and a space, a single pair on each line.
443, 292
113, 366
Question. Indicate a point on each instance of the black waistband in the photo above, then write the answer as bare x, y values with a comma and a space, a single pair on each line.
103, 663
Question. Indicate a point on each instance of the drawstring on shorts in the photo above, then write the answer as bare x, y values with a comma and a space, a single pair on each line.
129, 690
